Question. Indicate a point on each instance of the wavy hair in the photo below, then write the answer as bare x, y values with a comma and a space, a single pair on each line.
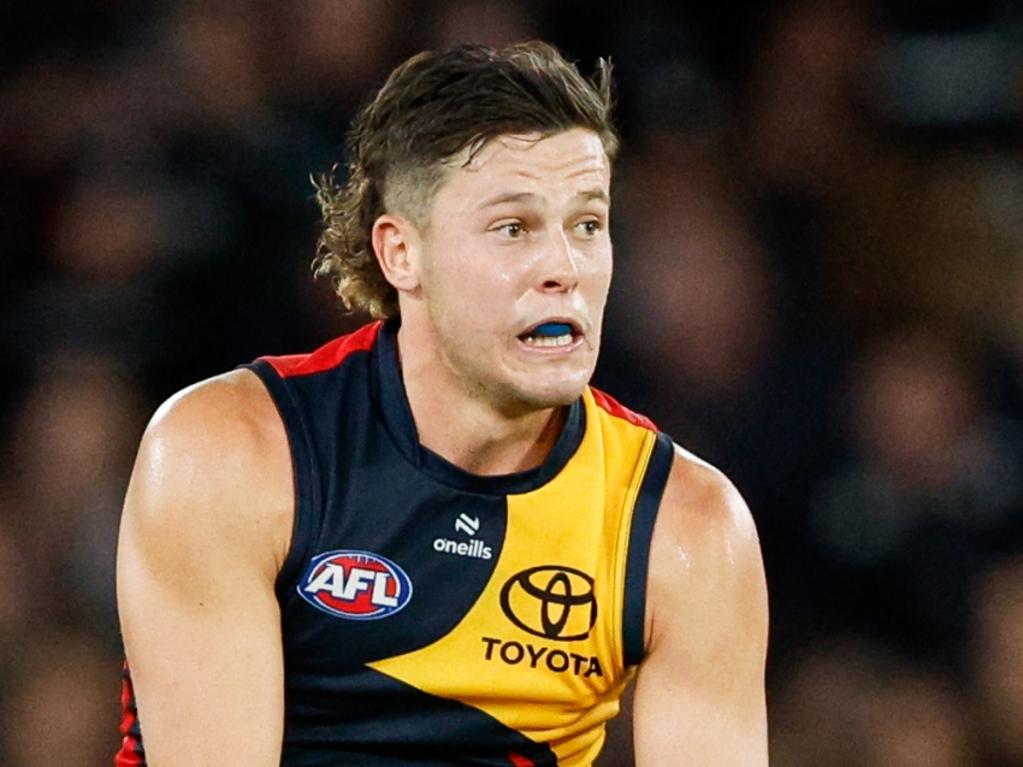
433, 106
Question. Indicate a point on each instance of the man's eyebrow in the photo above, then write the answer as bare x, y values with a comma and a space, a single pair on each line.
595, 194
586, 195
505, 197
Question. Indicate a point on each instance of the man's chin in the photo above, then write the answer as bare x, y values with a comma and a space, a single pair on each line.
520, 391
535, 395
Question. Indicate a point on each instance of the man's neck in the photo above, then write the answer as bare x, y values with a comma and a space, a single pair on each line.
466, 430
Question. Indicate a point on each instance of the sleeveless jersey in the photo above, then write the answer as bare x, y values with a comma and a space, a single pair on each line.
431, 616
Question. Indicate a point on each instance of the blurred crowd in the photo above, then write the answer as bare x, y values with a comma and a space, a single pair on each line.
818, 226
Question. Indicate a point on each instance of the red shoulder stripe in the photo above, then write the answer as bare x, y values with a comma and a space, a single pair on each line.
609, 404
328, 356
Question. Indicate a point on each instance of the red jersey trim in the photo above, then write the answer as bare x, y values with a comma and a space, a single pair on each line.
131, 752
610, 405
328, 356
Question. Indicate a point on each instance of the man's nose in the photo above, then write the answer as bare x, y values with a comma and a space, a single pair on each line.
560, 264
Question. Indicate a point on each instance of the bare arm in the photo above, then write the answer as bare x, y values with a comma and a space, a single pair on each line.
700, 691
205, 529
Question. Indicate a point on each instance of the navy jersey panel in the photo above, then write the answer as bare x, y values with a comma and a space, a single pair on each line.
375, 517
420, 731
430, 616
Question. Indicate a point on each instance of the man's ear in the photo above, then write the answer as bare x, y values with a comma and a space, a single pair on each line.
397, 245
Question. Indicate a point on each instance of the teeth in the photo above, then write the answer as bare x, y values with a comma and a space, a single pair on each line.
564, 340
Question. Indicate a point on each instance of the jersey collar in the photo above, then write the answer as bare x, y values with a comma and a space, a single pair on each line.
392, 403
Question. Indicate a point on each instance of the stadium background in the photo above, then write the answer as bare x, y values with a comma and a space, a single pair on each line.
819, 242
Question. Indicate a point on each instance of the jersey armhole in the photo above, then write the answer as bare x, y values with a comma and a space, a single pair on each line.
641, 528
304, 474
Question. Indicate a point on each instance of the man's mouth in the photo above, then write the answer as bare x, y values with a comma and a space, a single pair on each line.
551, 334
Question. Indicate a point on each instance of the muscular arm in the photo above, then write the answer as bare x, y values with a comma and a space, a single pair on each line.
205, 528
700, 691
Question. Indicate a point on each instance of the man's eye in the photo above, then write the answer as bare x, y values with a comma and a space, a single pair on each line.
512, 230
589, 227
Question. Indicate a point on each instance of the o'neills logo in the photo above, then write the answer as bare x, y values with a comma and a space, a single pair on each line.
474, 548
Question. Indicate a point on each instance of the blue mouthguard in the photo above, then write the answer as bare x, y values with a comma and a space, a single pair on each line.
552, 329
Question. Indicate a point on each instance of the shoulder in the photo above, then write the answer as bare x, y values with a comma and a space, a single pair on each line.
214, 465
700, 503
233, 407
705, 560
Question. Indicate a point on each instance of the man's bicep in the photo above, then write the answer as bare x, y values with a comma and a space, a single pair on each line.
714, 722
205, 667
199, 617
700, 691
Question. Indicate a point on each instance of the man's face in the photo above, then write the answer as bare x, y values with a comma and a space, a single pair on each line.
517, 252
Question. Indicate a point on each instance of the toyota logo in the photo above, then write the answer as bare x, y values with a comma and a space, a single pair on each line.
551, 602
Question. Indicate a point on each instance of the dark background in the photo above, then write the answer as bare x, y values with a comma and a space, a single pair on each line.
819, 253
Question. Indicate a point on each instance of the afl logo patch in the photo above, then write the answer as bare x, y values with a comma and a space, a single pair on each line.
551, 601
357, 585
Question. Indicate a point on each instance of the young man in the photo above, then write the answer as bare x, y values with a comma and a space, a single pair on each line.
430, 542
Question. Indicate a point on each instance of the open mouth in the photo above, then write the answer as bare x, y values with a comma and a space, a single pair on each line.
552, 334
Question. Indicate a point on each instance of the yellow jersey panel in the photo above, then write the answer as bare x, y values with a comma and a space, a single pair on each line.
541, 650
